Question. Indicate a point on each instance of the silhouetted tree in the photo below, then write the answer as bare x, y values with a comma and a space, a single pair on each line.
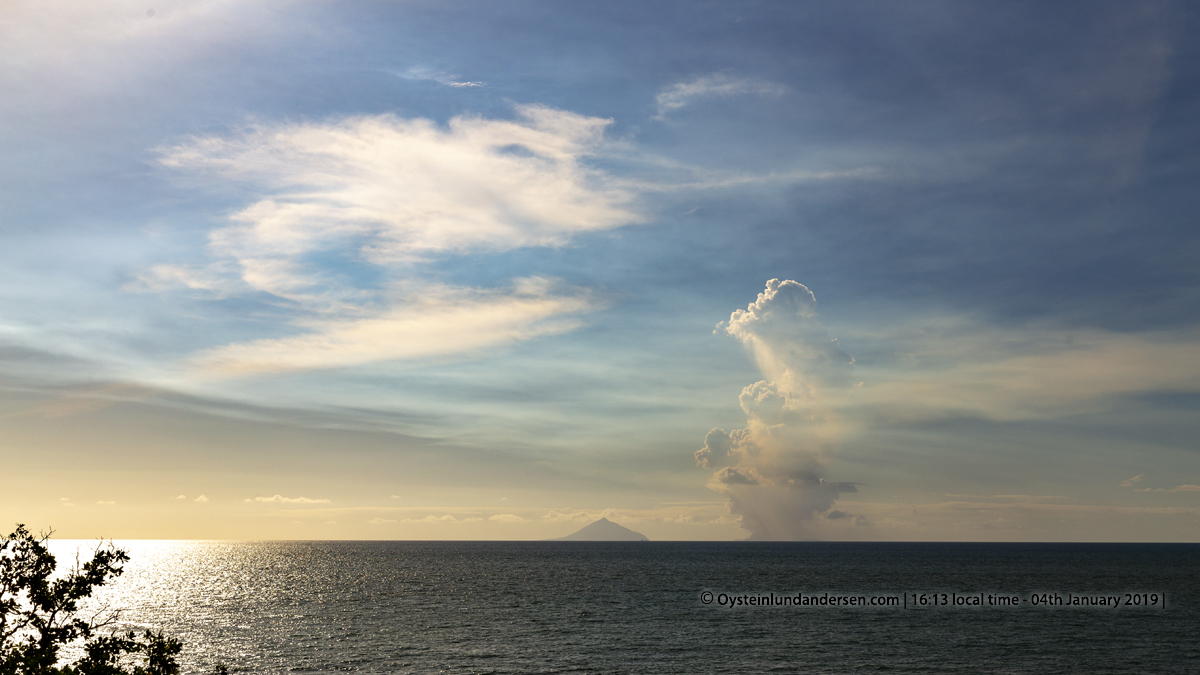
39, 615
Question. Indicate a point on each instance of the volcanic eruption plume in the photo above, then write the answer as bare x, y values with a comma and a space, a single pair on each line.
771, 469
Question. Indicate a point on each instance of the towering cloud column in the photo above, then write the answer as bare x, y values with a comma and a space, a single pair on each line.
771, 470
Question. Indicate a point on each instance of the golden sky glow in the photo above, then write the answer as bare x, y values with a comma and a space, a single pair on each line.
432, 272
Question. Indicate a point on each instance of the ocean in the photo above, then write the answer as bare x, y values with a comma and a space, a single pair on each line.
666, 607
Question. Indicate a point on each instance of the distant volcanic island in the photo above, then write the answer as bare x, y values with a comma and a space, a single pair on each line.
604, 530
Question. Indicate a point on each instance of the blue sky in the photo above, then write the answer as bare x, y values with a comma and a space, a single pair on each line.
494, 270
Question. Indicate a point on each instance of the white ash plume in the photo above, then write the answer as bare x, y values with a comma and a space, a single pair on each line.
771, 470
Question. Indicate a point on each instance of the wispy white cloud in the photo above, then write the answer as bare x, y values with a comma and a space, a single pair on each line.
439, 321
1130, 481
1178, 488
400, 189
201, 498
681, 94
701, 178
218, 280
434, 75
280, 499
384, 193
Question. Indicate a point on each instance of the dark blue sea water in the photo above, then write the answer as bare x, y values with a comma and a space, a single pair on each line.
581, 607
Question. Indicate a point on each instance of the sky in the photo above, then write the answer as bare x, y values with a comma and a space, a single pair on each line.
923, 271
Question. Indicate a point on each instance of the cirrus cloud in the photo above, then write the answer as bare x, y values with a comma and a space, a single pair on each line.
439, 321
681, 94
375, 197
404, 189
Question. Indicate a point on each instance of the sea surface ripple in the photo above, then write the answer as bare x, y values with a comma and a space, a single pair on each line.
593, 607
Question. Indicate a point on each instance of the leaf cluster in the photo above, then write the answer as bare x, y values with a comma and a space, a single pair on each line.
40, 614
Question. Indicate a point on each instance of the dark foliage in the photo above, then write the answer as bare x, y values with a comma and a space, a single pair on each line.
39, 615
